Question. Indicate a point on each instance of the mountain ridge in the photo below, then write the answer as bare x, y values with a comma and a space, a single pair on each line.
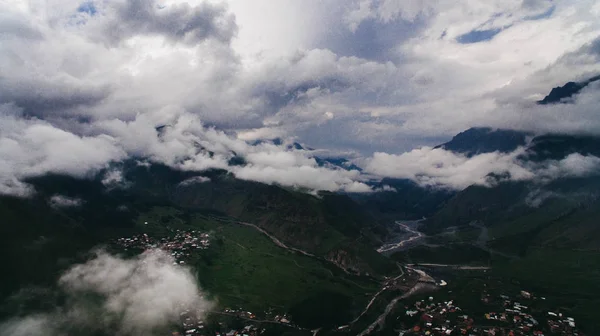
563, 94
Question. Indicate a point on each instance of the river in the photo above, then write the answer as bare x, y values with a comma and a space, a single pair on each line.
410, 237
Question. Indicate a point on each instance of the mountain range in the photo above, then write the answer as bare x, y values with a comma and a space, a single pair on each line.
549, 230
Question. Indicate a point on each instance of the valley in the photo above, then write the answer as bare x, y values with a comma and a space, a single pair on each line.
278, 261
244, 268
299, 168
410, 237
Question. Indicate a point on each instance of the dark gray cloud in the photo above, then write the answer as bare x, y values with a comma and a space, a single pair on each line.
184, 23
40, 96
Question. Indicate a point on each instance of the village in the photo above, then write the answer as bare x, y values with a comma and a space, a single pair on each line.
506, 316
513, 318
179, 245
233, 322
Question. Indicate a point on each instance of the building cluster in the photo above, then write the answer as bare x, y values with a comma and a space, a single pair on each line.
191, 324
268, 315
516, 318
512, 318
240, 313
436, 318
249, 330
250, 324
180, 244
559, 324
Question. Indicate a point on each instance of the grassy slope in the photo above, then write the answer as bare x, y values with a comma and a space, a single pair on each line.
244, 268
452, 254
326, 225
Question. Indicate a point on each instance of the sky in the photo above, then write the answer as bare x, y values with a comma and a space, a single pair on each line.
87, 83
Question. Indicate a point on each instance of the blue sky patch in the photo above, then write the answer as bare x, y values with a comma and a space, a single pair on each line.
475, 36
87, 7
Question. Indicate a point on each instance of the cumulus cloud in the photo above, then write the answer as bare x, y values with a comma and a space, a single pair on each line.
309, 177
575, 165
386, 188
113, 177
61, 201
88, 83
171, 136
119, 20
132, 297
428, 84
438, 167
32, 147
194, 180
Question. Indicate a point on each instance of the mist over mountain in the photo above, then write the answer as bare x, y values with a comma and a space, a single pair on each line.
561, 94
486, 140
557, 201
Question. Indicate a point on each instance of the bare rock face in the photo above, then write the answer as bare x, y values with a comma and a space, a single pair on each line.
344, 260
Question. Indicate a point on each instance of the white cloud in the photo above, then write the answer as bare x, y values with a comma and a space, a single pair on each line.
361, 12
61, 201
442, 168
280, 159
113, 177
575, 165
310, 177
92, 84
38, 325
194, 180
138, 296
439, 167
33, 147
170, 136
537, 197
428, 84
578, 118
387, 188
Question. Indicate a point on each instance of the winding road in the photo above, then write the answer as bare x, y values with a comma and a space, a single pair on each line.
424, 283
273, 238
279, 242
453, 266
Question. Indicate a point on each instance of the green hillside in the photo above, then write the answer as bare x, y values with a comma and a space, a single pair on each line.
243, 268
555, 245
